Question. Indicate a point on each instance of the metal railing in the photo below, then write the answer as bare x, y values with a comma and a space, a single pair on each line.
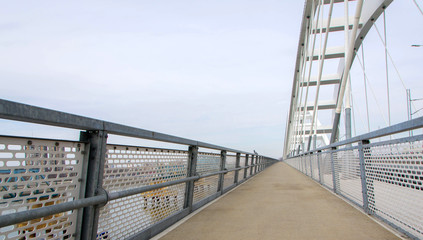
383, 178
88, 189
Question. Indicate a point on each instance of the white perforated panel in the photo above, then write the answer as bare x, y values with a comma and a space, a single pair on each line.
314, 167
35, 173
208, 163
241, 172
205, 187
348, 179
326, 169
131, 167
394, 175
230, 176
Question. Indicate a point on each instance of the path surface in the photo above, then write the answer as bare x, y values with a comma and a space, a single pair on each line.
279, 203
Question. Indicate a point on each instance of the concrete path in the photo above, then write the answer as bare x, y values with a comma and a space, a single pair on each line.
279, 203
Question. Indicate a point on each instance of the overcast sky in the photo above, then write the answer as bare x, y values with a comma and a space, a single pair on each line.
214, 71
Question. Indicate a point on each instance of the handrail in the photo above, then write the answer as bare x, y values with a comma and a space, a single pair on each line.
32, 114
102, 198
96, 137
397, 128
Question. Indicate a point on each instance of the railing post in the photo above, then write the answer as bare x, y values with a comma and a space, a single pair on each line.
363, 175
251, 165
246, 164
319, 153
97, 146
310, 156
237, 165
222, 167
334, 177
255, 163
191, 171
261, 163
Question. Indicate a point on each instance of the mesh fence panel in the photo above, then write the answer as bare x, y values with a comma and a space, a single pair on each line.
230, 176
347, 175
206, 187
208, 163
250, 170
314, 167
36, 173
241, 164
394, 184
307, 165
130, 167
326, 169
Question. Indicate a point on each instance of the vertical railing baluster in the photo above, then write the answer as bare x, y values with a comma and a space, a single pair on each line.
222, 167
251, 165
319, 156
97, 154
363, 175
246, 164
310, 157
191, 171
261, 163
255, 164
237, 165
334, 172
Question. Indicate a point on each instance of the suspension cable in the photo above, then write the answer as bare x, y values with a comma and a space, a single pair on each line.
371, 90
392, 61
365, 88
386, 69
353, 112
418, 7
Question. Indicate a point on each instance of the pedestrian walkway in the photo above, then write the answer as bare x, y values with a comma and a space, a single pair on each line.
279, 203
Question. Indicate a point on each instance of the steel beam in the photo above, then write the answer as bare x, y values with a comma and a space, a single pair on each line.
97, 154
191, 171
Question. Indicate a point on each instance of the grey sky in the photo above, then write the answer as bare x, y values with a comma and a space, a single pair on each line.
214, 71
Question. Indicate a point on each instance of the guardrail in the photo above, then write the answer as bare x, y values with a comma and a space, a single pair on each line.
89, 189
383, 178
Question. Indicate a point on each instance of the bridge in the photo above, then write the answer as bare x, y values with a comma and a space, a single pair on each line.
331, 183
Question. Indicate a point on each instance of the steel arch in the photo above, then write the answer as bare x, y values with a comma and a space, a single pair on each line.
303, 124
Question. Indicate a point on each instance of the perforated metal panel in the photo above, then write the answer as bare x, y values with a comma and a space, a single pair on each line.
326, 169
241, 164
130, 167
307, 166
394, 175
348, 179
206, 187
230, 176
249, 163
314, 167
35, 173
208, 163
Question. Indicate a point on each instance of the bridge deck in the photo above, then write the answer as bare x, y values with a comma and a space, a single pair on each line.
279, 203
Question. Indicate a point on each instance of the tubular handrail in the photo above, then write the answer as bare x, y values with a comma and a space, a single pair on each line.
94, 133
397, 128
32, 114
102, 198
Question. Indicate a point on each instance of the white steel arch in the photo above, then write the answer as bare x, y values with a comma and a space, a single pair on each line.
321, 84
